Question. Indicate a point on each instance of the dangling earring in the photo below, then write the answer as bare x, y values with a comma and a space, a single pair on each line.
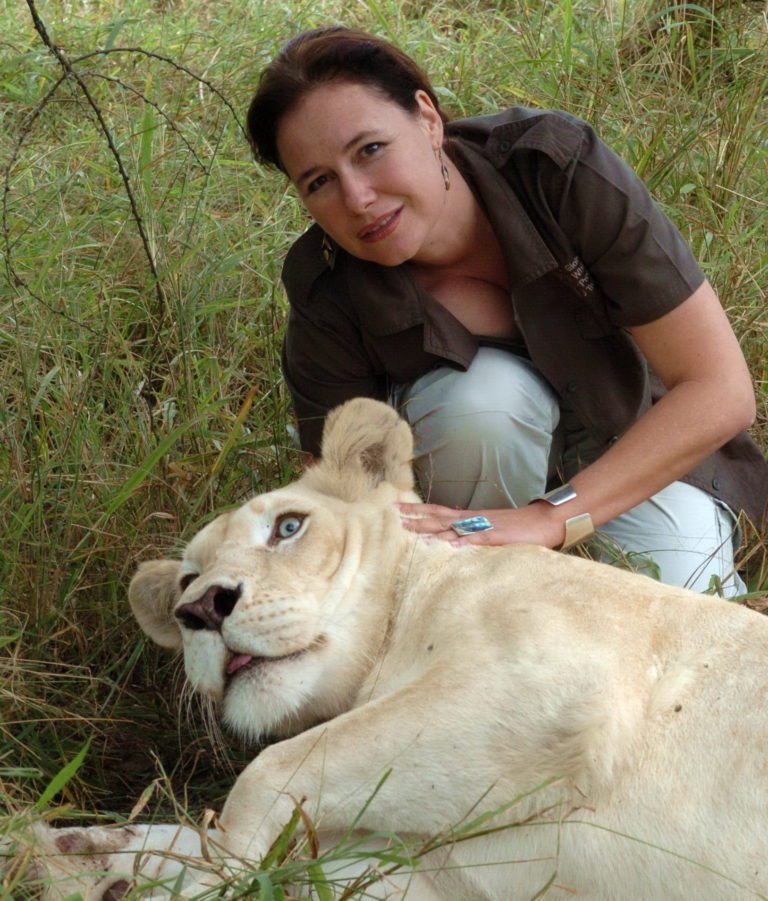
444, 170
328, 251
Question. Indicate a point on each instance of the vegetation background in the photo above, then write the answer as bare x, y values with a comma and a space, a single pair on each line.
140, 390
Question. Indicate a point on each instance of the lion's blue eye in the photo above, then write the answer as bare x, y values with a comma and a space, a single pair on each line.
288, 526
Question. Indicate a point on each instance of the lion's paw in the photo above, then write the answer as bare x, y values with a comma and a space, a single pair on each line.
108, 863
57, 863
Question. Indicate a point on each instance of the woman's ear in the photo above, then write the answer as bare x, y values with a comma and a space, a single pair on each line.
152, 594
431, 118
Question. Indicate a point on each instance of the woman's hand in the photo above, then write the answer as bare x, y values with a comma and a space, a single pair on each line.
538, 523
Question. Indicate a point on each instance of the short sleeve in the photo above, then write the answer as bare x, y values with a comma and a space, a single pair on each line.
634, 252
324, 364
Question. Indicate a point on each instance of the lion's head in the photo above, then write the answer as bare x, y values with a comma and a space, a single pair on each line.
270, 601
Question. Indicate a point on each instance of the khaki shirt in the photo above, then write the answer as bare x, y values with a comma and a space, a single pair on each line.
588, 253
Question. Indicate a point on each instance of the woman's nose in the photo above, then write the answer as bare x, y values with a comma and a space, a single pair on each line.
358, 193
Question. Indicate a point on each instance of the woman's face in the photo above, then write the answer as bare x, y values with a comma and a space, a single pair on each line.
367, 170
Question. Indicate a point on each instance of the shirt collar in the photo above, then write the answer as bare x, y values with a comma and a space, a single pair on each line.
526, 254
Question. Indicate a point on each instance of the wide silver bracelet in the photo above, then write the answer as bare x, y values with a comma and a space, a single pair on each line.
577, 528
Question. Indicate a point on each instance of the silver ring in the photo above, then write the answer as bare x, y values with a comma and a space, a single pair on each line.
471, 525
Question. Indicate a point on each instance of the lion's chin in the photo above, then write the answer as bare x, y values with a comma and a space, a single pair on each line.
267, 695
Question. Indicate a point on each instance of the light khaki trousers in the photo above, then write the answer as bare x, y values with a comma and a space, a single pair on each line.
495, 435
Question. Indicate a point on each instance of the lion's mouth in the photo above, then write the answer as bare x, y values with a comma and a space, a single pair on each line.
238, 663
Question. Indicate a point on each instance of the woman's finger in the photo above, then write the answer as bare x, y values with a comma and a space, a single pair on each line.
428, 525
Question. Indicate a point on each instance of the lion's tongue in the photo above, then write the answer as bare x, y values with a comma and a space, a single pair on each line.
238, 662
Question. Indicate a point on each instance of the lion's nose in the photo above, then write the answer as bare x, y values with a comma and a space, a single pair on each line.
209, 611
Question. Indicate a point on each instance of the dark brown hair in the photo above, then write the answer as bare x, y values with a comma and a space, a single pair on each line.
318, 57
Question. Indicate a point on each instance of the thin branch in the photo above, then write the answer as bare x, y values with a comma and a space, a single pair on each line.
77, 80
14, 278
155, 106
72, 73
171, 62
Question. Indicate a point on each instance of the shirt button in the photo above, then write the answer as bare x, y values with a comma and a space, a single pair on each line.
716, 484
571, 387
505, 146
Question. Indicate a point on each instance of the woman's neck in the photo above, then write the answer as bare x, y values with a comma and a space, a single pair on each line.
465, 245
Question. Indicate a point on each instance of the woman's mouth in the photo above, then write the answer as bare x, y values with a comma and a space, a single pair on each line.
381, 227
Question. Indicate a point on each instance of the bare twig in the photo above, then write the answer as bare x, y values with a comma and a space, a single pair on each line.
71, 72
78, 79
171, 62
155, 106
14, 278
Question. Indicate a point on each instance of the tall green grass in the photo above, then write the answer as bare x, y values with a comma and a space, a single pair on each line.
132, 409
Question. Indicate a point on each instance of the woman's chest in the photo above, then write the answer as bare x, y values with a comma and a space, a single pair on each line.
482, 307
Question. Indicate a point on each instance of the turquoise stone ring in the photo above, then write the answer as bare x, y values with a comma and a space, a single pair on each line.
471, 525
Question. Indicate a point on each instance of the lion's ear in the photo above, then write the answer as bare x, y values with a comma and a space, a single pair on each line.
365, 443
152, 594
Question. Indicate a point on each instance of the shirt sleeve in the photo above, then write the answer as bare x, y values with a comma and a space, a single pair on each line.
324, 364
635, 254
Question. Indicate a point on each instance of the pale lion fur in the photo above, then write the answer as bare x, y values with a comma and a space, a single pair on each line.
629, 718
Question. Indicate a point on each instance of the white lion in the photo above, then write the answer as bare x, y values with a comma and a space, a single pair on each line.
617, 726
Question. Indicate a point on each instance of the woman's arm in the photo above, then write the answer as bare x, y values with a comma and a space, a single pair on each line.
710, 399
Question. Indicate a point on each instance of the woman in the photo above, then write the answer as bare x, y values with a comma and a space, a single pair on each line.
507, 282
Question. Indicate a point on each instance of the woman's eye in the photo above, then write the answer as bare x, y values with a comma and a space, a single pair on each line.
288, 526
371, 149
316, 183
186, 580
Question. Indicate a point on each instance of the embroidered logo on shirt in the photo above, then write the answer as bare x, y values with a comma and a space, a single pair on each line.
576, 275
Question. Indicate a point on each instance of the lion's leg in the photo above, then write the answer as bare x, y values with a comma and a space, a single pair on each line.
392, 765
105, 864
343, 868
375, 877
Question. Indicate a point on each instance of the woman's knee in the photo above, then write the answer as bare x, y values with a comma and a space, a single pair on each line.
500, 400
483, 437
680, 536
